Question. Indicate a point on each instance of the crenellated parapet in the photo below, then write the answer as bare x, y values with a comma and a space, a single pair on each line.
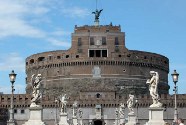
111, 100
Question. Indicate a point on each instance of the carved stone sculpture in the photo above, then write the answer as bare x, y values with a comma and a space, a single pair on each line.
130, 104
153, 88
80, 113
74, 110
36, 86
121, 109
63, 100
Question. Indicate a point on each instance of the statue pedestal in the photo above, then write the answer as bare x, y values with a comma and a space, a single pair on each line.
80, 121
11, 123
63, 119
96, 23
122, 120
36, 116
156, 116
132, 119
74, 120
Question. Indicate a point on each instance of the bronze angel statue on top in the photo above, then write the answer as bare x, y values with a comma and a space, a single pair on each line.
97, 14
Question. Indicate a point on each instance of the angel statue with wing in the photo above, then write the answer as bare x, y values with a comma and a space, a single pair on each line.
153, 88
36, 86
63, 99
97, 14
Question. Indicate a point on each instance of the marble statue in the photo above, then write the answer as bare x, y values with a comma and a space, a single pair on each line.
36, 86
97, 14
153, 88
80, 113
130, 104
121, 114
121, 109
63, 99
74, 110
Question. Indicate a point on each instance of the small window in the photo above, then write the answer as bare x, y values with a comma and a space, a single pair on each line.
58, 57
98, 53
98, 95
77, 56
41, 59
104, 53
31, 61
128, 55
104, 41
67, 56
50, 57
22, 111
116, 41
15, 111
91, 40
79, 42
91, 53
26, 63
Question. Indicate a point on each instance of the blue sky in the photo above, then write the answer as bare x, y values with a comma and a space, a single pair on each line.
32, 26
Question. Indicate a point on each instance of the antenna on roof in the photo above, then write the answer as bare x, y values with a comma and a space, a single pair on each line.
96, 4
97, 15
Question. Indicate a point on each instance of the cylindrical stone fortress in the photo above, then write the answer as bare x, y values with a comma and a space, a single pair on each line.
97, 59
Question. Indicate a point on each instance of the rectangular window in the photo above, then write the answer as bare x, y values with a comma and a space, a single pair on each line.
104, 41
98, 53
104, 53
22, 111
91, 53
91, 40
116, 41
15, 111
79, 42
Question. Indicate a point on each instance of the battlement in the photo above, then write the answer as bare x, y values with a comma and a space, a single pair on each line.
100, 28
24, 100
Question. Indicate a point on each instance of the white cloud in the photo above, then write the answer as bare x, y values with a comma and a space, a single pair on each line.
60, 33
12, 61
56, 42
75, 12
13, 22
22, 18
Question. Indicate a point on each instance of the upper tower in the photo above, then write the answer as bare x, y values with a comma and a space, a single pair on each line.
98, 41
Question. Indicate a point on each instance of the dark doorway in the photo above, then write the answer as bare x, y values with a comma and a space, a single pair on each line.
98, 122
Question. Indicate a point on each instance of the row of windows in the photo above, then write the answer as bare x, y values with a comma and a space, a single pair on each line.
22, 111
40, 59
92, 53
102, 41
105, 63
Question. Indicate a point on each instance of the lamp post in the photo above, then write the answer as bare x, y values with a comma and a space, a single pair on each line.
12, 77
136, 110
175, 80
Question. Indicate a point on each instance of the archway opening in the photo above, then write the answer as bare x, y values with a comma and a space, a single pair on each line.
97, 122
